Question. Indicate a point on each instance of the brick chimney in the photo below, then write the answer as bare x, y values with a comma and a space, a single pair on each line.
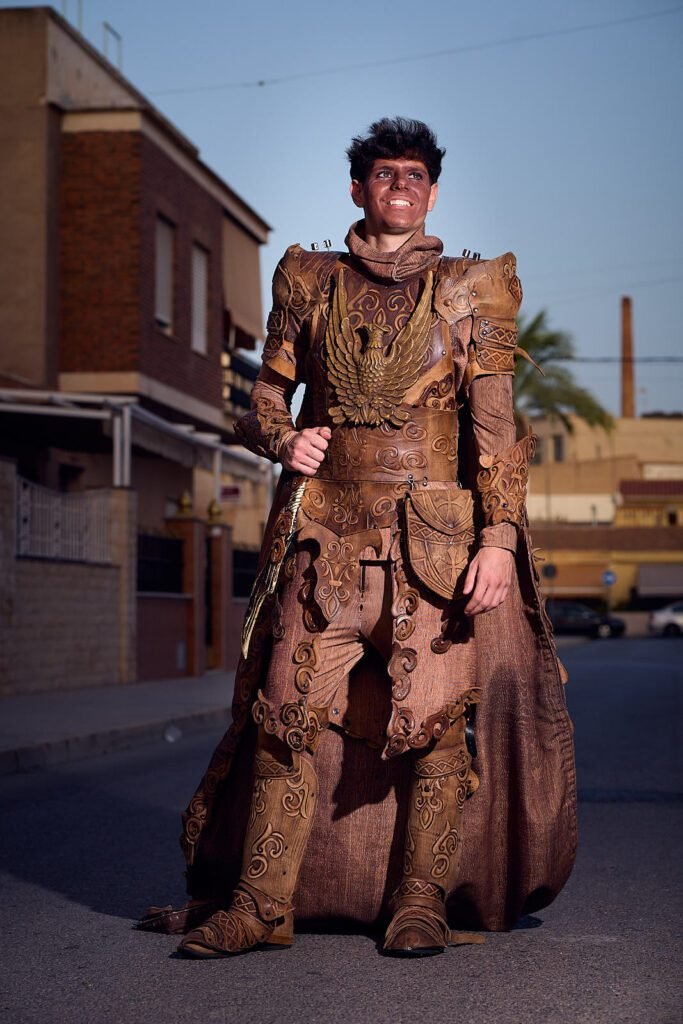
628, 402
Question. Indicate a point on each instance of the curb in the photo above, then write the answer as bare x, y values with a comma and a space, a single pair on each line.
77, 748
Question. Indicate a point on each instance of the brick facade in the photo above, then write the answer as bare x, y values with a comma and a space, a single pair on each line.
198, 218
99, 257
113, 186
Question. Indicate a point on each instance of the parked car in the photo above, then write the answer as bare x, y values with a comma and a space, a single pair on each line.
667, 621
575, 617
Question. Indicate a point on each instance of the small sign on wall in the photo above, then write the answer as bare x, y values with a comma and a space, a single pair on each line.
231, 492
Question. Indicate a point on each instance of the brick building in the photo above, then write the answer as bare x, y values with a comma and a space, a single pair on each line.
129, 301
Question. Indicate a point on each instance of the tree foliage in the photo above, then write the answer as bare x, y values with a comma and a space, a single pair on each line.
556, 394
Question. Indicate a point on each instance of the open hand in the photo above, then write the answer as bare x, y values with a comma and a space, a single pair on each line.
488, 579
305, 450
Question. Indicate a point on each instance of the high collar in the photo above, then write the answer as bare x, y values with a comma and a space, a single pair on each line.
415, 255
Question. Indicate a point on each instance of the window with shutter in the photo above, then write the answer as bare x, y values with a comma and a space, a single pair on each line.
163, 273
200, 298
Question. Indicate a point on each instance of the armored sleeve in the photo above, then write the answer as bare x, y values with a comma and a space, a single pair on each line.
283, 350
268, 426
503, 461
493, 294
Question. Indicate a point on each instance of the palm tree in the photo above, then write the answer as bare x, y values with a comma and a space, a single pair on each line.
555, 393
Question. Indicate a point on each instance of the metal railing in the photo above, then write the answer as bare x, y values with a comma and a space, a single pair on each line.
63, 527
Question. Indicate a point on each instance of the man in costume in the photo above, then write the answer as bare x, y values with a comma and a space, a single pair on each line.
396, 595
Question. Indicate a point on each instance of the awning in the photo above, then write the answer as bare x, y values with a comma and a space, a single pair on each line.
660, 580
242, 279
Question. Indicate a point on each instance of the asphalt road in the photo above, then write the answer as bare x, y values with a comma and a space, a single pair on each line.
85, 847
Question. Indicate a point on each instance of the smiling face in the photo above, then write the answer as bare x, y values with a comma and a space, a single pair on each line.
396, 197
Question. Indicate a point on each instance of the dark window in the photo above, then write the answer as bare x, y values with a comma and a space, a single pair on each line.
160, 564
200, 298
244, 565
69, 477
164, 244
558, 447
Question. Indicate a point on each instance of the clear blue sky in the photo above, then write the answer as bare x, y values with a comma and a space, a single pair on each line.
565, 148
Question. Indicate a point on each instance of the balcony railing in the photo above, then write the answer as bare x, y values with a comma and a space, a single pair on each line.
239, 375
63, 527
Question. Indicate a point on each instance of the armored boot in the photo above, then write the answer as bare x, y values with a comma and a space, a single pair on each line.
282, 809
442, 781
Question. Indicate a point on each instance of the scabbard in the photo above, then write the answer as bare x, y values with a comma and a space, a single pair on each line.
266, 581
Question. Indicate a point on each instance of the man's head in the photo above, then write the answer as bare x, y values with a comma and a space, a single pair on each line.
391, 138
394, 172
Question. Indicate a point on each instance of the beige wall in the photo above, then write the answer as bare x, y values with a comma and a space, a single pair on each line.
248, 515
157, 482
584, 487
65, 625
587, 476
556, 506
650, 512
584, 571
73, 610
647, 440
76, 76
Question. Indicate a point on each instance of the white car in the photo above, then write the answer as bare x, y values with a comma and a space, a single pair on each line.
667, 621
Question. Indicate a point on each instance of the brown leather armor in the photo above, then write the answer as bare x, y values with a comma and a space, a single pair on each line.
381, 532
388, 345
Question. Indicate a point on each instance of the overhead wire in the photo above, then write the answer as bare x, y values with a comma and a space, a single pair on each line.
412, 58
604, 269
620, 288
617, 359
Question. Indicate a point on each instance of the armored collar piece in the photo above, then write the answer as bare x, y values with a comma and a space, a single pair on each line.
417, 254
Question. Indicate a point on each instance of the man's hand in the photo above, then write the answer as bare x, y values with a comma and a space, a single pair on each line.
305, 450
491, 569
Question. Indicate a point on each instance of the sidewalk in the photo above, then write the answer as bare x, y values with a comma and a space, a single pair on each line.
39, 730
45, 729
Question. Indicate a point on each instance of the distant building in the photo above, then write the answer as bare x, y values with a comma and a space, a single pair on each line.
129, 280
610, 502
575, 476
649, 502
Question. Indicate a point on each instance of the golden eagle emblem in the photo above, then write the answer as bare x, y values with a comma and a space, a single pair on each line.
369, 378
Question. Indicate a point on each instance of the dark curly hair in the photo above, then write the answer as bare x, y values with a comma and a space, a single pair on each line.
392, 138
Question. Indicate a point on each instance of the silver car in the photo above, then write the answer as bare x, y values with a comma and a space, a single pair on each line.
667, 621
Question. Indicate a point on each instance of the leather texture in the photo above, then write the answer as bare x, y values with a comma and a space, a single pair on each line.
353, 653
442, 781
369, 377
502, 482
440, 538
281, 816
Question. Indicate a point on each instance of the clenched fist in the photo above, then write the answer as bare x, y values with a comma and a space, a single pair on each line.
305, 450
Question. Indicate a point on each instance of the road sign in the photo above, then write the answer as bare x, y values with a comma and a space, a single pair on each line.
609, 578
549, 571
230, 492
